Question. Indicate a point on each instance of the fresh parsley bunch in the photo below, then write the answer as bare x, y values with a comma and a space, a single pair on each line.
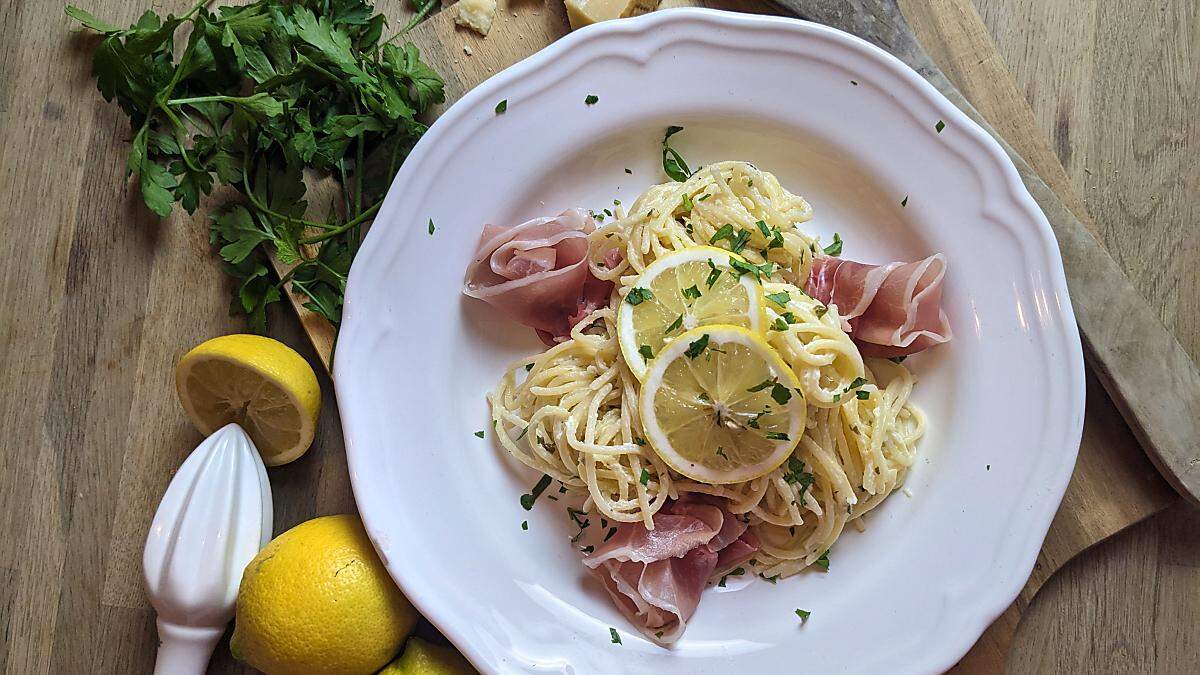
258, 96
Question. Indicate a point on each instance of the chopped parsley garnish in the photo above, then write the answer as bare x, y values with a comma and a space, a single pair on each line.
837, 397
479, 434
628, 172
939, 126
862, 395
616, 639
658, 634
753, 421
527, 500
610, 533
591, 99
820, 310
770, 579
781, 298
803, 614
431, 227
765, 384
646, 352
779, 324
685, 204
836, 247
692, 293
675, 324
904, 202
858, 382
781, 394
524, 524
697, 346
721, 452
762, 227
704, 196
528, 367
739, 242
522, 434
778, 436
788, 317
758, 271
897, 359
823, 562
713, 274
673, 163
580, 522
501, 107
736, 572
723, 232
796, 475
637, 296
639, 440
854, 82
588, 549
721, 583
645, 477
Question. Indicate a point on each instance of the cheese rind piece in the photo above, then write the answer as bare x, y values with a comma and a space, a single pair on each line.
476, 15
586, 12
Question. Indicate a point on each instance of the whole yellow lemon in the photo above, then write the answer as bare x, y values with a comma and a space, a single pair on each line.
318, 600
424, 658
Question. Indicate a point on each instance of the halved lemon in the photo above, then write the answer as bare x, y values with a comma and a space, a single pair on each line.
680, 291
719, 405
260, 383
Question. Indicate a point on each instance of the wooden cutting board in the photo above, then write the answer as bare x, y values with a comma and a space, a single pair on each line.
1114, 485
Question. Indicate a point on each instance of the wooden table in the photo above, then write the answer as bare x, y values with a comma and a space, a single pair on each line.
100, 300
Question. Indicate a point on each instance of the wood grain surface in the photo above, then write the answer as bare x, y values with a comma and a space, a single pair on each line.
101, 300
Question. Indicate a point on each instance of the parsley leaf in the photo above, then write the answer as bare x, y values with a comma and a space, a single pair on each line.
591, 99
803, 614
616, 638
780, 393
645, 477
823, 562
646, 352
479, 434
777, 436
675, 324
781, 298
939, 126
528, 499
691, 293
696, 347
502, 107
713, 274
836, 247
673, 163
637, 296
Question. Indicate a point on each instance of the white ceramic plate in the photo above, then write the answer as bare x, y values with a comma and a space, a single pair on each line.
1005, 398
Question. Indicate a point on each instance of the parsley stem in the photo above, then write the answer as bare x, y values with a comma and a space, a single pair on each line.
263, 207
417, 18
362, 217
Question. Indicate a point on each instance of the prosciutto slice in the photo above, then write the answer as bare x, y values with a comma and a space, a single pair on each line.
892, 310
655, 577
536, 273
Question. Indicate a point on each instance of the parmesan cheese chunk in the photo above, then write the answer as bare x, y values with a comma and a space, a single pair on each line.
586, 12
476, 15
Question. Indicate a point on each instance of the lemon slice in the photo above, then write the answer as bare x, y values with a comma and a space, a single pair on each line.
260, 383
680, 291
720, 406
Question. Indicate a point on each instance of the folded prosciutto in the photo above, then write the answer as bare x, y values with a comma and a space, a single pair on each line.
892, 310
655, 577
536, 273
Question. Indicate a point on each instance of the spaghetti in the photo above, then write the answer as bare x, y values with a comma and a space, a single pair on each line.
571, 412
